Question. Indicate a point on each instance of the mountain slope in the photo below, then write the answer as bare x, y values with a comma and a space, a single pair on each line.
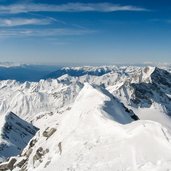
32, 98
86, 127
15, 133
89, 137
147, 93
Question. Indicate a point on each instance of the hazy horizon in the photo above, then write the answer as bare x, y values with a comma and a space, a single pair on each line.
11, 63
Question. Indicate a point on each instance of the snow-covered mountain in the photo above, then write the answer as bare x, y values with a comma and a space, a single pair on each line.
94, 118
147, 92
80, 71
29, 99
15, 134
97, 134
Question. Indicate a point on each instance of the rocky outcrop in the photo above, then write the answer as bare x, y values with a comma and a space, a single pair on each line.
40, 152
15, 135
155, 87
8, 165
48, 132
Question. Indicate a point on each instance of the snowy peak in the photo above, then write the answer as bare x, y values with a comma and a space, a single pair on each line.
153, 86
94, 98
151, 74
90, 137
161, 77
158, 90
85, 127
15, 134
31, 98
9, 64
147, 72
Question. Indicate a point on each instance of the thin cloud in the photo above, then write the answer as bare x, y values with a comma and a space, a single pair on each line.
44, 32
23, 21
168, 21
69, 7
47, 17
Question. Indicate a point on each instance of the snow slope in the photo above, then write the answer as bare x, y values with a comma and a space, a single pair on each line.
149, 97
145, 90
139, 88
31, 98
15, 133
88, 128
98, 134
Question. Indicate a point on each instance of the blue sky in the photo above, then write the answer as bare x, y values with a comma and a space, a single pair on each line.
85, 32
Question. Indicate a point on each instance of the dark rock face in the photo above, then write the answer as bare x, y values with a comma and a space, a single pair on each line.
40, 152
161, 77
17, 133
32, 143
8, 165
144, 94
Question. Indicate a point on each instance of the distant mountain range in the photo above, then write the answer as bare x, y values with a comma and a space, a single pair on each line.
29, 72
25, 72
88, 118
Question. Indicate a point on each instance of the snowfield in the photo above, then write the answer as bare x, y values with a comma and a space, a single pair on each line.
116, 121
95, 139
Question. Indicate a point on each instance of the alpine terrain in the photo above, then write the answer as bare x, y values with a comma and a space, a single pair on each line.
91, 118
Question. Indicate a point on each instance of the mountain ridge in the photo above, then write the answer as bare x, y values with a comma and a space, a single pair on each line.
15, 134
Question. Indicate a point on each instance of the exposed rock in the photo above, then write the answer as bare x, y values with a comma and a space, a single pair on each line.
15, 135
3, 167
11, 163
32, 143
28, 152
8, 165
48, 132
39, 154
60, 147
21, 163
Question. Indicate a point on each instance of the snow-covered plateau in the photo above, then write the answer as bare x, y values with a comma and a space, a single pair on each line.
106, 118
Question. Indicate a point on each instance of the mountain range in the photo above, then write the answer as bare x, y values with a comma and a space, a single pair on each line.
88, 118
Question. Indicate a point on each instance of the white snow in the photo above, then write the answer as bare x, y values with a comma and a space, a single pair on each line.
94, 139
93, 128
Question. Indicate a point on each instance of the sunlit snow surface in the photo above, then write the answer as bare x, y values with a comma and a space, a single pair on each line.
94, 129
